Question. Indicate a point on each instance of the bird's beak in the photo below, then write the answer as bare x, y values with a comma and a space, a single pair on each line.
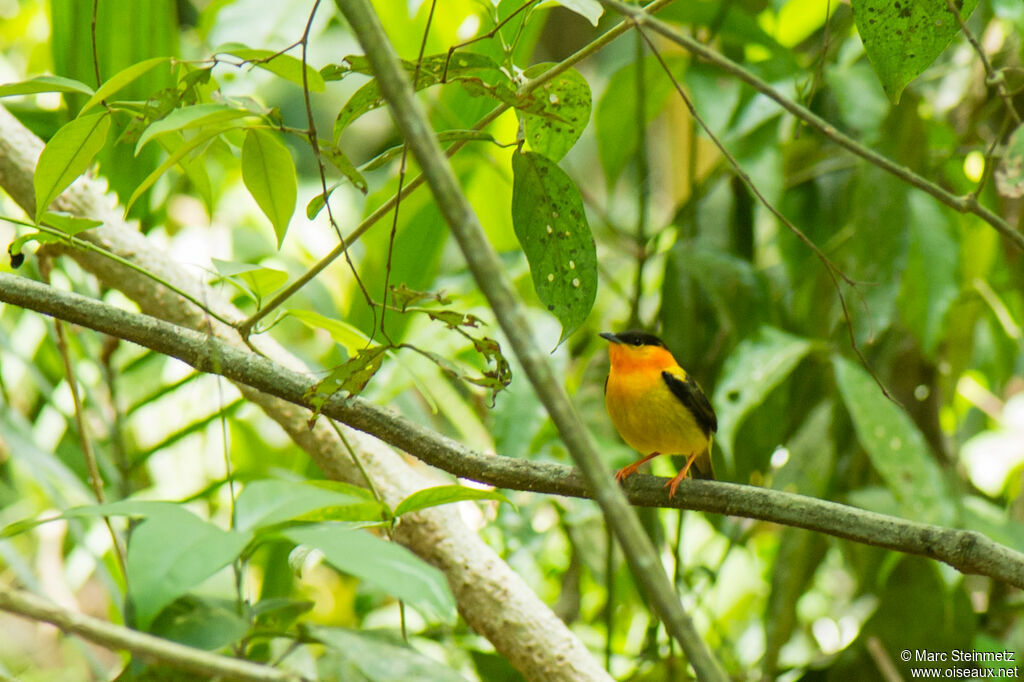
609, 336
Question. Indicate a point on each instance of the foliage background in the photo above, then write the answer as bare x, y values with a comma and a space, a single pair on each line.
682, 248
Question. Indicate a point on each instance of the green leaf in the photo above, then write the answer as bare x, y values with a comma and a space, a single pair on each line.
433, 70
319, 201
903, 38
390, 567
1010, 172
258, 280
194, 168
549, 221
200, 623
754, 368
930, 285
568, 96
171, 552
279, 64
338, 159
121, 79
895, 446
67, 155
186, 118
178, 155
343, 333
269, 174
120, 508
616, 114
44, 84
590, 10
266, 503
378, 660
69, 224
445, 494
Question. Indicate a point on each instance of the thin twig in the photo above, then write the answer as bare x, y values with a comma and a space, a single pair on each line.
991, 76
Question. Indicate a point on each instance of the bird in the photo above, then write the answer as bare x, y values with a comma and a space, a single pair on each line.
657, 407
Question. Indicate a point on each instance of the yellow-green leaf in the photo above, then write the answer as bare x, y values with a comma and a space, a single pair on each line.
269, 174
67, 155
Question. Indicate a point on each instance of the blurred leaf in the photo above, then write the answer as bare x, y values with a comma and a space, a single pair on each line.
568, 95
978, 514
386, 565
616, 117
67, 223
590, 10
200, 623
122, 79
266, 503
445, 494
895, 446
189, 117
380, 661
67, 155
903, 39
171, 552
344, 334
754, 368
193, 167
38, 84
269, 174
547, 213
1010, 172
120, 508
930, 285
259, 281
442, 136
277, 63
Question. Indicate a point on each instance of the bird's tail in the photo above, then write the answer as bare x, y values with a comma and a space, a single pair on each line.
702, 467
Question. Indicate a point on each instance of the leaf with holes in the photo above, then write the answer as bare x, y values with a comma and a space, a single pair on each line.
903, 37
548, 218
67, 155
350, 376
895, 446
568, 96
269, 174
756, 366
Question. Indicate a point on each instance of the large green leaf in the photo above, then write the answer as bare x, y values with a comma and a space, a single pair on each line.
67, 155
44, 84
122, 79
377, 660
269, 174
185, 118
902, 38
549, 221
390, 567
267, 503
895, 446
754, 368
568, 97
171, 552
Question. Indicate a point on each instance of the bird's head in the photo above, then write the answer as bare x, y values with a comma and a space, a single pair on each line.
634, 349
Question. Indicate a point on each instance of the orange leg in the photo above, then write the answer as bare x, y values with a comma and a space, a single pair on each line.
674, 483
625, 471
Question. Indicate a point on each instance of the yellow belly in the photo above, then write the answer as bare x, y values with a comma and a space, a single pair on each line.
650, 418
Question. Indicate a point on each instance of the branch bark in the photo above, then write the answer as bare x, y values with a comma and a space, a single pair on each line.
966, 551
494, 282
140, 643
494, 600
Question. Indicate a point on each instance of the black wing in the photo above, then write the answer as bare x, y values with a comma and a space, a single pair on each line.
689, 392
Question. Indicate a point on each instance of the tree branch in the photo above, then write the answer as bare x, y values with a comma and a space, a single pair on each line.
966, 204
494, 282
140, 643
966, 551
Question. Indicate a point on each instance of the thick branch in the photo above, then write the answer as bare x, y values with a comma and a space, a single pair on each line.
139, 643
494, 282
966, 204
967, 551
